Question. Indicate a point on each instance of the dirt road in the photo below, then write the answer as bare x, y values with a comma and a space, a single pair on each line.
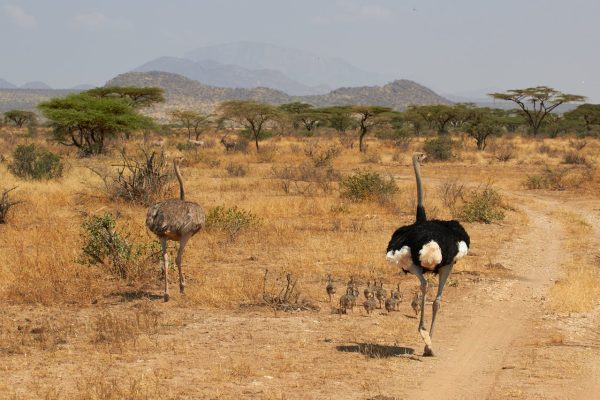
486, 347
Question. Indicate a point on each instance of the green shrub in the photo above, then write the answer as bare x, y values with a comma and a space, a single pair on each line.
367, 185
439, 148
230, 220
33, 162
105, 246
483, 205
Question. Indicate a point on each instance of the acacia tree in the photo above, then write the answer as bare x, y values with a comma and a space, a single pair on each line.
482, 124
368, 117
137, 96
191, 120
338, 117
536, 103
20, 117
302, 114
586, 114
86, 121
415, 119
252, 115
438, 116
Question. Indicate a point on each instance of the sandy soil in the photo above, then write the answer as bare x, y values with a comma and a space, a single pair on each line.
494, 341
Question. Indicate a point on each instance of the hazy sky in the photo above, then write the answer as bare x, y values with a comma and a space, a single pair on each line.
452, 46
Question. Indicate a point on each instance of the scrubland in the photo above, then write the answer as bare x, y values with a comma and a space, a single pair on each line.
73, 330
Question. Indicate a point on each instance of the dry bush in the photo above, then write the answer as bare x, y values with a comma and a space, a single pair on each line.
105, 385
6, 203
47, 334
346, 140
559, 178
236, 169
321, 157
284, 294
370, 157
305, 179
118, 329
577, 144
453, 195
403, 142
144, 179
573, 157
548, 150
267, 153
504, 152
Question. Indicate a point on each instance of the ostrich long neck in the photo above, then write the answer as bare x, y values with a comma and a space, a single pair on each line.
178, 175
421, 217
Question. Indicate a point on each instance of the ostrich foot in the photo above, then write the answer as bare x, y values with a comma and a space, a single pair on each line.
182, 289
426, 337
166, 297
428, 351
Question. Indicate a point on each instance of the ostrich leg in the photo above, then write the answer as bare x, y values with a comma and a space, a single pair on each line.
418, 272
444, 272
182, 242
165, 257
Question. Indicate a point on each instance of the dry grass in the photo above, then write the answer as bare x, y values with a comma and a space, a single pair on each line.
579, 290
110, 336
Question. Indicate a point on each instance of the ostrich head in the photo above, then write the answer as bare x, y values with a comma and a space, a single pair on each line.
419, 157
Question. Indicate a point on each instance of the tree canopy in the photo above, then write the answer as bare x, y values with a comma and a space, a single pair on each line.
20, 117
86, 121
537, 102
252, 115
588, 115
193, 121
137, 96
368, 117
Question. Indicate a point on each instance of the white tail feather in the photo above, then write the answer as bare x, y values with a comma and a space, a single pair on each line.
430, 255
462, 250
400, 257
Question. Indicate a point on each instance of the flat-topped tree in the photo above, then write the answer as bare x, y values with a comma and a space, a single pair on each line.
251, 115
586, 114
483, 123
20, 117
537, 102
87, 121
367, 118
193, 121
439, 116
338, 117
137, 96
302, 114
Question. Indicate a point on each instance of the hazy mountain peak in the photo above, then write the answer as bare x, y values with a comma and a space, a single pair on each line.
216, 73
4, 84
35, 85
300, 65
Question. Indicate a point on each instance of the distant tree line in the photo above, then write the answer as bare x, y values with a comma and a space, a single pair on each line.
89, 119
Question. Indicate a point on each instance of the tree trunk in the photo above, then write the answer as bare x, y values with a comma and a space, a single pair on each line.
256, 140
361, 146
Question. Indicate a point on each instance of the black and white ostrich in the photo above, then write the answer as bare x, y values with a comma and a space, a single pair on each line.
427, 246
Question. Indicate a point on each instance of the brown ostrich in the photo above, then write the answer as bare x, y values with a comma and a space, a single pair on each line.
178, 220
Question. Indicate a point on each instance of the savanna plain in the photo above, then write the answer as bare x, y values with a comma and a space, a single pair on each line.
519, 317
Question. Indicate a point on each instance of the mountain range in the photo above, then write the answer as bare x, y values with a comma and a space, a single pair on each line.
182, 91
